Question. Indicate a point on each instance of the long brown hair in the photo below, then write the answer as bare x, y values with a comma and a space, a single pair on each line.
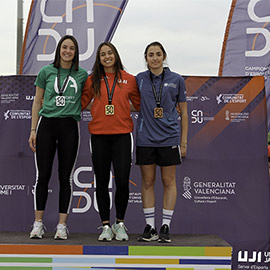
98, 69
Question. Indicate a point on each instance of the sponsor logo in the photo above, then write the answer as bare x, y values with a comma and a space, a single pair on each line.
204, 98
227, 115
29, 98
192, 98
9, 98
253, 257
187, 187
119, 80
17, 114
123, 81
72, 85
236, 117
230, 98
207, 192
219, 99
172, 85
135, 197
199, 117
8, 190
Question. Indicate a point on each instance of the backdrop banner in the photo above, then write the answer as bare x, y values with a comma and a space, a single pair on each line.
223, 183
246, 45
90, 22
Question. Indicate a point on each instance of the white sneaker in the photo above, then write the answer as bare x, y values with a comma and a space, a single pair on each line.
61, 232
107, 234
119, 229
37, 231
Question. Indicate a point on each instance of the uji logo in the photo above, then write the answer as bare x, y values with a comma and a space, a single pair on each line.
253, 257
246, 256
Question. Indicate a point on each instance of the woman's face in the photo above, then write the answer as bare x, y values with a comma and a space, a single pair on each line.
107, 58
155, 58
67, 51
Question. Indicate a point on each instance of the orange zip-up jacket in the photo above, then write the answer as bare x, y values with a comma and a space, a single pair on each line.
121, 122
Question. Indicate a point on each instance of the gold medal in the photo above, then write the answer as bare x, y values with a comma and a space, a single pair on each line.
109, 109
158, 112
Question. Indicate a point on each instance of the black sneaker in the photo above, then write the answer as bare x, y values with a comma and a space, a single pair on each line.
164, 236
149, 234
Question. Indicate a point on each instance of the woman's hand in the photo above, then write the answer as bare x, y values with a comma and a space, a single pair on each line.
32, 140
37, 103
183, 149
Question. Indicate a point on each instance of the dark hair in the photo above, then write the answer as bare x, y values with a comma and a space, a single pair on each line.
98, 69
154, 43
75, 61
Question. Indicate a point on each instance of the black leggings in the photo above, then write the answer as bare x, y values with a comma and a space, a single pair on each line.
61, 134
115, 149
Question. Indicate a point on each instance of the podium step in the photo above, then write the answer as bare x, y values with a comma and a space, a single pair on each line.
48, 254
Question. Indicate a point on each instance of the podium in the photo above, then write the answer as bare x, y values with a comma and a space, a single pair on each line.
84, 251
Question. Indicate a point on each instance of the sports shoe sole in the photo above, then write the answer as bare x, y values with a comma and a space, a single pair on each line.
153, 238
121, 239
105, 239
60, 238
162, 240
36, 237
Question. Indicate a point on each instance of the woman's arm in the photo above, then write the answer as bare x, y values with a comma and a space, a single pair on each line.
86, 95
35, 110
134, 97
132, 108
184, 127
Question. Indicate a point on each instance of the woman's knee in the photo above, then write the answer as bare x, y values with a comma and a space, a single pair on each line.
148, 183
169, 182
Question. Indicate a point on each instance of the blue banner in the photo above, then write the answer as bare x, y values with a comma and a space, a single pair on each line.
246, 45
90, 22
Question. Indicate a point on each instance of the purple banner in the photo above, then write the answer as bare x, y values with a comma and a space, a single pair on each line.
246, 46
91, 22
223, 183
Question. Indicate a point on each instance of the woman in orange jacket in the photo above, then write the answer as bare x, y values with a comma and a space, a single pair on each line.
110, 89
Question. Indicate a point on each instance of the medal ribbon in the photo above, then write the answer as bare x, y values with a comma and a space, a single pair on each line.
157, 98
110, 93
61, 89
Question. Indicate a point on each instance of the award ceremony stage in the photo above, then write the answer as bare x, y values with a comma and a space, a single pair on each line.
84, 251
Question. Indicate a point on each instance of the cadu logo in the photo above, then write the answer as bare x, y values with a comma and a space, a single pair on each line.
197, 116
255, 17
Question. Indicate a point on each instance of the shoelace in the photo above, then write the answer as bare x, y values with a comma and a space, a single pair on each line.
103, 227
36, 225
62, 227
121, 224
